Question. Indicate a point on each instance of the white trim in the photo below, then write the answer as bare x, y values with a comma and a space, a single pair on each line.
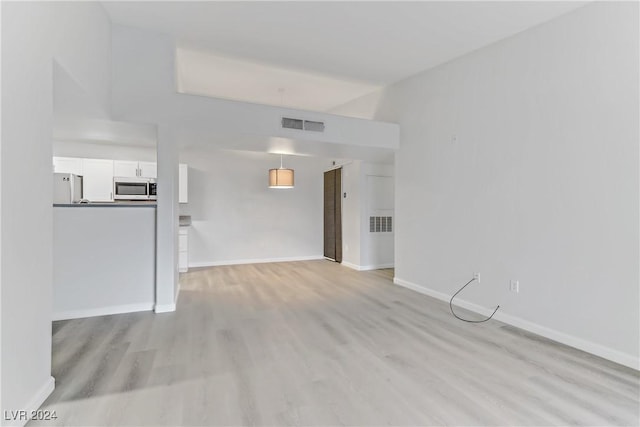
165, 308
253, 261
376, 267
102, 311
36, 401
334, 167
367, 267
350, 265
178, 293
553, 334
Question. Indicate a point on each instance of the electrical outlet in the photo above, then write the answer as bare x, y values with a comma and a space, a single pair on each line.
477, 277
514, 286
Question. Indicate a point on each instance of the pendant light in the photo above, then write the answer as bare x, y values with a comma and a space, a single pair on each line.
281, 177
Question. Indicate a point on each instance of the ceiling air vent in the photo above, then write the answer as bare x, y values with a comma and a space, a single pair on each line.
289, 123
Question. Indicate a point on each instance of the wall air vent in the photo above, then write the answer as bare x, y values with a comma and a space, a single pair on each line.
288, 123
313, 126
380, 224
309, 125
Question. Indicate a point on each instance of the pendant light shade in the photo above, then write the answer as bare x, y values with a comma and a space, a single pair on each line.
281, 177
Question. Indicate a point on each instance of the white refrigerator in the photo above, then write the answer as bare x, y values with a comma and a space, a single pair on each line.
67, 188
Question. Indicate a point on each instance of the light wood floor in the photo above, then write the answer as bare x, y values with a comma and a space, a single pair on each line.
315, 343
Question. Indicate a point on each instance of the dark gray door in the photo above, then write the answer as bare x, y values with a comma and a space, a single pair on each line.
333, 214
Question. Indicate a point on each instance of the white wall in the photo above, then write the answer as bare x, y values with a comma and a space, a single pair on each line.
92, 150
237, 218
104, 260
541, 184
77, 35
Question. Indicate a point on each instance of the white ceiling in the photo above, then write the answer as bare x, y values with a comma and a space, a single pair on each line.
363, 43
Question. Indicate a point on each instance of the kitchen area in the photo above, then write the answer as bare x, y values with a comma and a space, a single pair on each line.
104, 228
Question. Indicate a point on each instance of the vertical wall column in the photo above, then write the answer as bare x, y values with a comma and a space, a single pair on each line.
167, 222
377, 247
369, 190
351, 216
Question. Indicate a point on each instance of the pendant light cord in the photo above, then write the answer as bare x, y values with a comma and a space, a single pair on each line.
466, 320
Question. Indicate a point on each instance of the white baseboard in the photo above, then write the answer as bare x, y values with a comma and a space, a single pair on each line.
376, 266
555, 335
102, 311
165, 308
253, 261
33, 405
351, 265
366, 267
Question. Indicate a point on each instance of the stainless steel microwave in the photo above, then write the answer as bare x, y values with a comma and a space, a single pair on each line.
128, 188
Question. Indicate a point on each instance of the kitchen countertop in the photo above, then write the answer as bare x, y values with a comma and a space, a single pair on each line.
140, 204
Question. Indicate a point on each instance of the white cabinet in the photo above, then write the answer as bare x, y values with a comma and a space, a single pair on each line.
67, 165
98, 180
148, 169
183, 249
125, 168
183, 183
132, 169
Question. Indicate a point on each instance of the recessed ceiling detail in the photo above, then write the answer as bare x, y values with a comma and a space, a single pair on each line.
208, 74
323, 54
